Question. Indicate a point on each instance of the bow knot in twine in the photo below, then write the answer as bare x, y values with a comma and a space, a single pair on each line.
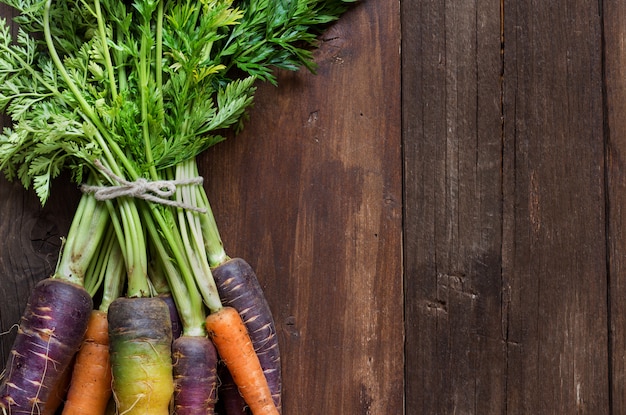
158, 191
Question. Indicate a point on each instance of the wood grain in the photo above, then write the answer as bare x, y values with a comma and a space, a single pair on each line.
554, 261
312, 199
505, 243
456, 361
614, 15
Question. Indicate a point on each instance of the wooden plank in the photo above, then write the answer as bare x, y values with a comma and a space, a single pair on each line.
455, 360
310, 195
554, 258
504, 245
614, 15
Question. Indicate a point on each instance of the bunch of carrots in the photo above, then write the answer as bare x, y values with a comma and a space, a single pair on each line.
145, 312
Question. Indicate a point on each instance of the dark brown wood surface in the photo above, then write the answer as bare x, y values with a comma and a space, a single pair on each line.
456, 356
512, 123
554, 256
615, 107
311, 195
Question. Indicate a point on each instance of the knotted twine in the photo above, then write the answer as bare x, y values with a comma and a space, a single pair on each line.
157, 191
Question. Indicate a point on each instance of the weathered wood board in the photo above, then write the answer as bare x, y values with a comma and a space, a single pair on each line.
312, 198
614, 25
513, 130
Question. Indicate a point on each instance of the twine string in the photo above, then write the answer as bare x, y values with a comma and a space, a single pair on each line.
157, 191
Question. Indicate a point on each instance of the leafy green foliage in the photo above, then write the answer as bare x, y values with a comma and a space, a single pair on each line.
143, 84
278, 34
46, 129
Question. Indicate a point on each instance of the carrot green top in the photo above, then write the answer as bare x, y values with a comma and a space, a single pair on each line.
141, 87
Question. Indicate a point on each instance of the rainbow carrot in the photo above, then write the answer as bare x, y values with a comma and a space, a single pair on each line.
140, 336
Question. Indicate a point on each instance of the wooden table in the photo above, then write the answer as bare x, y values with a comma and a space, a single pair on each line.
436, 216
514, 141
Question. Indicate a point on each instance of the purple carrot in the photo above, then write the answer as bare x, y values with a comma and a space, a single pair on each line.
177, 327
229, 400
51, 331
238, 287
195, 375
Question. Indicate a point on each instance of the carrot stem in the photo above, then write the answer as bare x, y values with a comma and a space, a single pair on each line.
83, 240
114, 276
179, 278
191, 233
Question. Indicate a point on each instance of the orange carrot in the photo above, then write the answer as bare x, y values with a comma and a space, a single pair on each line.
90, 388
233, 344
